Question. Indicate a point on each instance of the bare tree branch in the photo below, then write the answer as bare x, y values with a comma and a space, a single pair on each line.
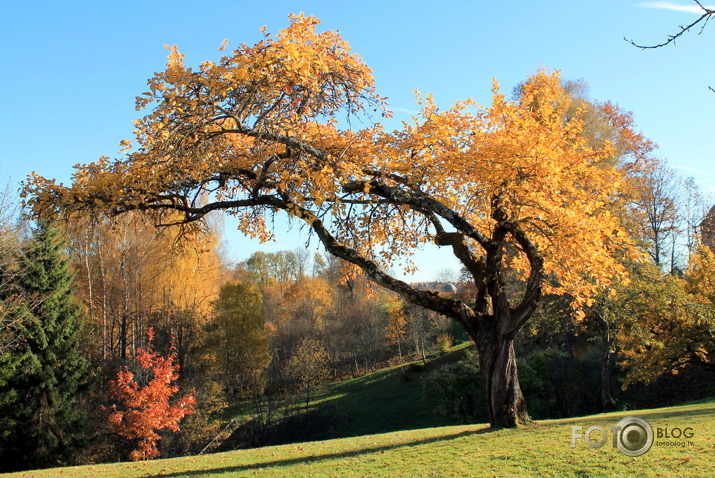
702, 21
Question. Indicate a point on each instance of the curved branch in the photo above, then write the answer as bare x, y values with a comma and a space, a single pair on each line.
474, 265
704, 18
452, 308
278, 138
532, 294
419, 202
194, 213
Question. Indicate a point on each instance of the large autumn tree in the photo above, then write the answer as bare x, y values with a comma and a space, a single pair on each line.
268, 129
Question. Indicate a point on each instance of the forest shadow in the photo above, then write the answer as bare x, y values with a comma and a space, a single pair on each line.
658, 415
648, 415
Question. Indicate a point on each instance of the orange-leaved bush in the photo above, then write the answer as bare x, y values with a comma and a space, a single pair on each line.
143, 410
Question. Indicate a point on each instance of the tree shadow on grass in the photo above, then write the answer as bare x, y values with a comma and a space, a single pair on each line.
267, 465
649, 415
674, 415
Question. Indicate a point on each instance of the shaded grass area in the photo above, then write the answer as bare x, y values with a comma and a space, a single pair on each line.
543, 449
390, 399
384, 401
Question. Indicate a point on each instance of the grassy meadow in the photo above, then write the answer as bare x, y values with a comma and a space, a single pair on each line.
542, 449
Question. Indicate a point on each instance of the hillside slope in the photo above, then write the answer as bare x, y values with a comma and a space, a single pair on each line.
543, 449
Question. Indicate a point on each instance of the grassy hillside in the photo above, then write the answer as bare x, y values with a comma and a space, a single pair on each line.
391, 399
384, 401
543, 449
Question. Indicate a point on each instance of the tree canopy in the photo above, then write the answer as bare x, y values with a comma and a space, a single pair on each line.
669, 321
268, 128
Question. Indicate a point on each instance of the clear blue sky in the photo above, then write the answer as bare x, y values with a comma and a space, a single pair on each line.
71, 69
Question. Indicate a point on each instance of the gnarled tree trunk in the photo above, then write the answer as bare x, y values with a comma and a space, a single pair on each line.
500, 380
494, 335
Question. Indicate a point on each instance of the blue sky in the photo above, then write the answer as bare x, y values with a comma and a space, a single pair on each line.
71, 69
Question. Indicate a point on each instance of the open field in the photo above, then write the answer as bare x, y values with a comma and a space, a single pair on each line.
543, 449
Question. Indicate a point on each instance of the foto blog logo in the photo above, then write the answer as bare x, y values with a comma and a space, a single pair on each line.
632, 436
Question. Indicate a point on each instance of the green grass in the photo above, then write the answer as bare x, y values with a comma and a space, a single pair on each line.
543, 449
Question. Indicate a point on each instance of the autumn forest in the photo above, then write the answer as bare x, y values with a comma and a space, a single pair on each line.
586, 279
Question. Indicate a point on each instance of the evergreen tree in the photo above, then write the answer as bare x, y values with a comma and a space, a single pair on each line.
39, 419
14, 359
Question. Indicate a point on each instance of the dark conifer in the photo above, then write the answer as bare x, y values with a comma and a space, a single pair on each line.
41, 421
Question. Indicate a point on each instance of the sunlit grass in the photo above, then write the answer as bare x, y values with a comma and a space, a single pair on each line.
543, 449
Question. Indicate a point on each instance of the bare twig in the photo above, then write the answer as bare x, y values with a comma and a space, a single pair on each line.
702, 21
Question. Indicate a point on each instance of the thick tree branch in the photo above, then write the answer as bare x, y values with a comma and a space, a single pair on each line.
532, 294
419, 202
193, 213
474, 265
431, 300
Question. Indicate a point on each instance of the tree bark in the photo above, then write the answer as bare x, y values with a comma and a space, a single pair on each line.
505, 403
607, 401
